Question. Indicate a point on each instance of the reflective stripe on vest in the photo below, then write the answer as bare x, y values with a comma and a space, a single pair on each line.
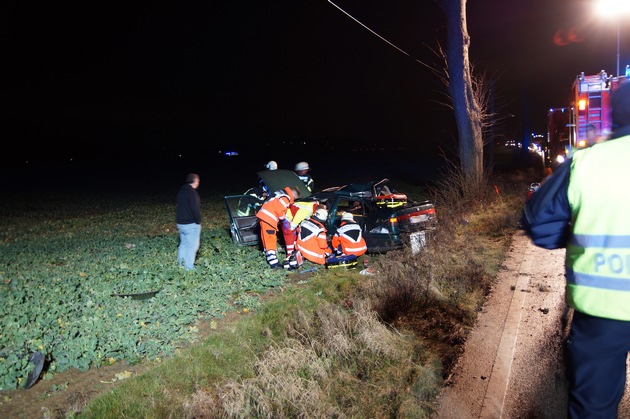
270, 215
598, 254
350, 243
274, 210
308, 181
308, 240
355, 249
315, 255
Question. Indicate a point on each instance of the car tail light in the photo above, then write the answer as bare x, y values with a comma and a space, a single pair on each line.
417, 216
393, 224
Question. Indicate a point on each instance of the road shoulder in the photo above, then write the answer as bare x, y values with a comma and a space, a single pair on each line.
478, 386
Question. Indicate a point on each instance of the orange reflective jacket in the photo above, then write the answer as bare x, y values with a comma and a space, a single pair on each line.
350, 238
275, 209
311, 241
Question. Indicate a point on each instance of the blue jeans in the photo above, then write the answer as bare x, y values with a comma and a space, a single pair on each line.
189, 239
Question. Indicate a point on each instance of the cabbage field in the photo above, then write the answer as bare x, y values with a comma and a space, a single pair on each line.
67, 261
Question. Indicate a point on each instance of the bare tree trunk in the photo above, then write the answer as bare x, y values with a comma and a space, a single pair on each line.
468, 112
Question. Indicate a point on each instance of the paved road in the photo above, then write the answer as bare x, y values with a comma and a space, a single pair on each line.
513, 365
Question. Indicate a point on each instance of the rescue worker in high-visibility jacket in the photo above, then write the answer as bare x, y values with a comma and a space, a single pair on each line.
348, 239
311, 238
302, 170
256, 196
584, 207
272, 212
250, 204
298, 212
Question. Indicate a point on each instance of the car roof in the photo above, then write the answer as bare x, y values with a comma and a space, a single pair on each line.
277, 180
355, 190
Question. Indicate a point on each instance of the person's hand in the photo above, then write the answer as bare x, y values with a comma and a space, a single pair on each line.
286, 226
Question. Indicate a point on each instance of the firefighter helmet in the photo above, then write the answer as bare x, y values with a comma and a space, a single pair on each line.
302, 166
346, 216
321, 214
272, 165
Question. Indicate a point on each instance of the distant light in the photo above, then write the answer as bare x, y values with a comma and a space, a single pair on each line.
604, 8
231, 153
612, 8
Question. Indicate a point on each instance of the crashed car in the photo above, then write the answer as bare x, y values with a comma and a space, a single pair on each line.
389, 220
242, 208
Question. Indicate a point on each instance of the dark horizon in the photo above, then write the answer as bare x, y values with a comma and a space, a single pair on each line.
110, 80
220, 174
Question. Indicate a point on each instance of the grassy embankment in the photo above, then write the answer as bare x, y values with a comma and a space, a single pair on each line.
338, 344
329, 343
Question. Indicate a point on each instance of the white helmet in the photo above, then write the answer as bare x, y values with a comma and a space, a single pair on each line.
272, 165
321, 214
302, 166
346, 216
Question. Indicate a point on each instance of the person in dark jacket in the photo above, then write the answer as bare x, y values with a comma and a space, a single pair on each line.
302, 169
188, 219
584, 208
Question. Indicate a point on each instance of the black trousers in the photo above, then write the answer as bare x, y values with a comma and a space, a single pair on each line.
597, 349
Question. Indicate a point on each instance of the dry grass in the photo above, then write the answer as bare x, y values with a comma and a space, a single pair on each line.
340, 363
385, 350
436, 294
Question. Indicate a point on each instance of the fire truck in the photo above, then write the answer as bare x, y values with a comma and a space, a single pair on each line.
559, 140
589, 110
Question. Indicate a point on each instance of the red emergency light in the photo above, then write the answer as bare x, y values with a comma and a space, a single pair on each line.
582, 104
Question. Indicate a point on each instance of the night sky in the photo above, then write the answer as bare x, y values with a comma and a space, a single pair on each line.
96, 79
